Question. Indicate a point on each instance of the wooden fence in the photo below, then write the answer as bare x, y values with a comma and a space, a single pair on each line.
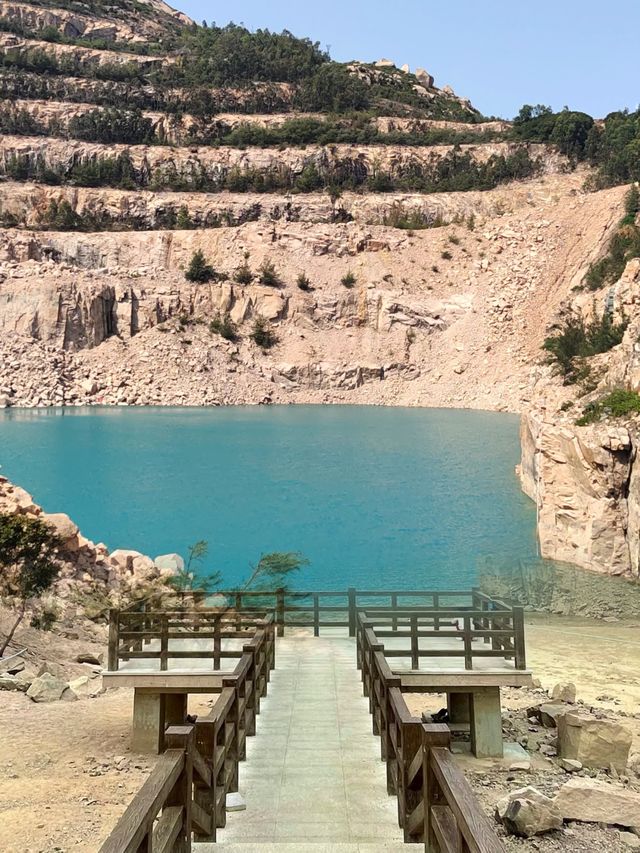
154, 636
327, 609
185, 795
436, 805
501, 628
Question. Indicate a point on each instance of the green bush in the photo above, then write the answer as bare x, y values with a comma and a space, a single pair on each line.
349, 279
268, 274
577, 340
412, 220
243, 274
225, 327
304, 283
262, 334
199, 270
112, 126
617, 404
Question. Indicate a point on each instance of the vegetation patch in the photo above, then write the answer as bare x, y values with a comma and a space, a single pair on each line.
617, 404
577, 340
624, 245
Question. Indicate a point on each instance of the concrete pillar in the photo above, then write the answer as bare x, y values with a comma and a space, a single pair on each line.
459, 705
486, 723
175, 709
148, 722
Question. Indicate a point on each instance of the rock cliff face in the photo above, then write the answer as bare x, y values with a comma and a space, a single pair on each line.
585, 480
376, 287
585, 484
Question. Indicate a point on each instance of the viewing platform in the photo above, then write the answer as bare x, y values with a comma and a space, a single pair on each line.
313, 774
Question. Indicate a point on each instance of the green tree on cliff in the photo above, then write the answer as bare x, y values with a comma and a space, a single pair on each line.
199, 270
28, 565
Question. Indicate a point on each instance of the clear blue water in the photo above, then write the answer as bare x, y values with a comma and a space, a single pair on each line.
374, 497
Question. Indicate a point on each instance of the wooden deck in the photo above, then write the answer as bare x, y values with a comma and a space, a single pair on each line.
313, 779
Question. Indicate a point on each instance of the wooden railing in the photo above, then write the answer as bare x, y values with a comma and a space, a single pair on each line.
142, 634
436, 805
331, 609
185, 796
501, 628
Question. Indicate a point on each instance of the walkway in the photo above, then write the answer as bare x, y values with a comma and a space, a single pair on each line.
313, 780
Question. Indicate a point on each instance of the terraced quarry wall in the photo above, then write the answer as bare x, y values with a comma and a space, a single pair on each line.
418, 257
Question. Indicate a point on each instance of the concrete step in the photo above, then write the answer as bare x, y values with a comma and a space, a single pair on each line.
297, 847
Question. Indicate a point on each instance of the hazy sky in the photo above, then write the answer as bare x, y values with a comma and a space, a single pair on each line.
498, 53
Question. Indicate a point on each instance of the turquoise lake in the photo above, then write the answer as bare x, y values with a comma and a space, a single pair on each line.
374, 497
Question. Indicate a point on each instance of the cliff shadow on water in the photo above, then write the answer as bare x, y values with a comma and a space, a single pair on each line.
563, 589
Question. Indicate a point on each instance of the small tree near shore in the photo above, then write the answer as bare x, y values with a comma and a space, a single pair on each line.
28, 565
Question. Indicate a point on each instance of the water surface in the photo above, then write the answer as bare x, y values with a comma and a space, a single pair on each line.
374, 497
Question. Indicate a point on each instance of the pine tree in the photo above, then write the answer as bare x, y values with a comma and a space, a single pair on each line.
200, 270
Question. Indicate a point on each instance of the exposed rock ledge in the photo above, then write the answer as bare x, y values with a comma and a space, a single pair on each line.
586, 486
89, 571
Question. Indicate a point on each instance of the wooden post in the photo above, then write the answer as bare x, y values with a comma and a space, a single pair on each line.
433, 736
164, 643
316, 614
415, 655
113, 641
238, 605
182, 737
217, 643
394, 606
352, 611
205, 795
518, 638
412, 792
280, 614
468, 647
436, 607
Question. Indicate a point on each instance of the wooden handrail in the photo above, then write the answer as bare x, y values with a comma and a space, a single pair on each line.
436, 805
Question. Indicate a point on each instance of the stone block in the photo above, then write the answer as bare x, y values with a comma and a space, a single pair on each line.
590, 801
595, 743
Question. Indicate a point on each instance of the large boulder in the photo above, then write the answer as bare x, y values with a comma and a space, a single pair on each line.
47, 688
527, 812
170, 563
590, 801
132, 563
64, 528
595, 743
424, 78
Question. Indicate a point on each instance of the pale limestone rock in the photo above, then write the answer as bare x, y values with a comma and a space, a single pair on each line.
549, 714
64, 528
47, 688
578, 478
630, 840
527, 812
81, 687
173, 563
424, 78
50, 668
570, 765
20, 682
595, 743
564, 692
590, 801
